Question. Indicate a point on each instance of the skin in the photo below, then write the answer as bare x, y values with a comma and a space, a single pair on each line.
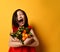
14, 42
20, 16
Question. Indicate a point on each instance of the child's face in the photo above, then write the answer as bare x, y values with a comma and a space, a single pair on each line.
20, 17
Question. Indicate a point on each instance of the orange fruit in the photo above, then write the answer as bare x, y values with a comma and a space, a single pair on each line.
29, 36
24, 38
24, 31
26, 35
23, 34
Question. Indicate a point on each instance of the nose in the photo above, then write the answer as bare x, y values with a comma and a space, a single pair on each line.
20, 17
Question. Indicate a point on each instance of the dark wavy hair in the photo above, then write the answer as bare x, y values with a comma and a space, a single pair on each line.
14, 18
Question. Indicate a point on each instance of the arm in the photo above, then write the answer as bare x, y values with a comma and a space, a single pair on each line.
34, 40
14, 42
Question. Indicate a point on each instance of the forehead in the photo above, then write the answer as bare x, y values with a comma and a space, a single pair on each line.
19, 12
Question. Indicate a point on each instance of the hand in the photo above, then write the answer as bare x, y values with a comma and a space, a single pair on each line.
29, 41
15, 39
14, 42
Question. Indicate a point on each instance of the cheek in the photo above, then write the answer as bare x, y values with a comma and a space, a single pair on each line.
22, 16
18, 18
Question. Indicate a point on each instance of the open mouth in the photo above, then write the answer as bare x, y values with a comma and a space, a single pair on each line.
20, 20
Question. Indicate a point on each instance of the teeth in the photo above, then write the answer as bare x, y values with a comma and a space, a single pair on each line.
20, 20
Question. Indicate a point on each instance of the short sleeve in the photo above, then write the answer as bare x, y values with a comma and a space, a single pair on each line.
14, 28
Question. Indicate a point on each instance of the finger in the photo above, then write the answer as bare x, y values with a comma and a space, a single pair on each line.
16, 39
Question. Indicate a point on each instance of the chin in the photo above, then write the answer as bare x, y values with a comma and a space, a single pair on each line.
21, 24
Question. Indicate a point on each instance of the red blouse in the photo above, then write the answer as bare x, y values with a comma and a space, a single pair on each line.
22, 48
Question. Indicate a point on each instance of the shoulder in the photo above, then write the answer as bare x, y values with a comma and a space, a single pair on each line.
14, 29
30, 26
31, 30
11, 31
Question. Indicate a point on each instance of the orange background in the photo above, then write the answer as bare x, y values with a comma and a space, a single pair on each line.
43, 15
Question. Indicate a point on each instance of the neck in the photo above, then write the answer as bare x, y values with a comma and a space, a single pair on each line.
20, 26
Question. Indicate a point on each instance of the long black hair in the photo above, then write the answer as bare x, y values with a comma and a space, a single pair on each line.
14, 18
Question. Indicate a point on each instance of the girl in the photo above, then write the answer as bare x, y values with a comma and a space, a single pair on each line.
19, 19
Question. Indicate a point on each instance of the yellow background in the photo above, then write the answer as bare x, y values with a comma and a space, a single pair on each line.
43, 15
